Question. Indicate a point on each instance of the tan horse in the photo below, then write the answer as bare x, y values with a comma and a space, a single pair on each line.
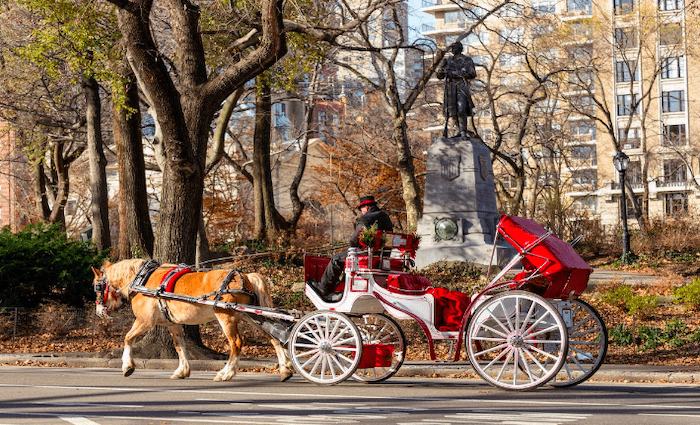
116, 279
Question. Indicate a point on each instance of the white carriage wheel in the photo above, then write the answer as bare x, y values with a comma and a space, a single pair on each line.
381, 329
516, 340
588, 344
325, 347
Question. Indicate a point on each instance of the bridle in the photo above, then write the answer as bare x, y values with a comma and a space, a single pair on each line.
102, 290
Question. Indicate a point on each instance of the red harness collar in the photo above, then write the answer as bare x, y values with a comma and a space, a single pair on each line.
167, 284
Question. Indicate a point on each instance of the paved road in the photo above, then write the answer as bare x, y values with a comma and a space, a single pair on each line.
96, 396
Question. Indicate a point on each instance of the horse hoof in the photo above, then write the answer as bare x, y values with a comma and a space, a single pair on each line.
128, 372
173, 376
285, 376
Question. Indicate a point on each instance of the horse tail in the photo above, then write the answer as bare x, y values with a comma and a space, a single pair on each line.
260, 288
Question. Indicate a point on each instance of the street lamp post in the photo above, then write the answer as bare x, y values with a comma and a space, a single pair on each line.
622, 162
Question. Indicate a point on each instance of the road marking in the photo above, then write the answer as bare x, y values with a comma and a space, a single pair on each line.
503, 418
78, 421
69, 404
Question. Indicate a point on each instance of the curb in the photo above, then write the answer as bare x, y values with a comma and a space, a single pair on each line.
607, 373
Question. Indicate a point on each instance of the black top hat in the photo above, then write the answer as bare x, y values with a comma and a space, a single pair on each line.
366, 201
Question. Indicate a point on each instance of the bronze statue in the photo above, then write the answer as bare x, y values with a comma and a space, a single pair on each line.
458, 104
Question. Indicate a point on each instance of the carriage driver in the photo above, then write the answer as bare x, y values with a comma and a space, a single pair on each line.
371, 214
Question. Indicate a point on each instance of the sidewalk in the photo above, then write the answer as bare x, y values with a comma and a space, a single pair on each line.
607, 373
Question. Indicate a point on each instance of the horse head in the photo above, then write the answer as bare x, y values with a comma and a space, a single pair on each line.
108, 294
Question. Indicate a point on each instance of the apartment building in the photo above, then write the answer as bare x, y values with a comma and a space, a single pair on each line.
13, 182
609, 75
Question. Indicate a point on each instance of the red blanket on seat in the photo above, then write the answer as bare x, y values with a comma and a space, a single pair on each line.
409, 284
449, 308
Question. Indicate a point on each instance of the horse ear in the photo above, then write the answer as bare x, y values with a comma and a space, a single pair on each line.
106, 264
96, 272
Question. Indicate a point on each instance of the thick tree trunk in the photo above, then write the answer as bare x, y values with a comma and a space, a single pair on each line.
136, 232
266, 225
407, 170
96, 157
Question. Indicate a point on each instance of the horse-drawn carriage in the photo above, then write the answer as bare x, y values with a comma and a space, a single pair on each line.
519, 332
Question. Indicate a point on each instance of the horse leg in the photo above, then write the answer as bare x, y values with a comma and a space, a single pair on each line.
229, 324
137, 329
183, 369
286, 368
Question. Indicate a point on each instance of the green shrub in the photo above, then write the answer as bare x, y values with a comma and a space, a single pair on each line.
650, 337
625, 298
39, 264
621, 335
689, 295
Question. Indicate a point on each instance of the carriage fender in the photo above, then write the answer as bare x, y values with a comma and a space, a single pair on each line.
366, 304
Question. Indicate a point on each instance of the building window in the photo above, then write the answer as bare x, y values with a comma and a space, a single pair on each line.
675, 171
543, 7
583, 129
676, 204
584, 152
510, 59
627, 104
455, 18
630, 139
579, 6
626, 71
581, 80
625, 38
511, 10
670, 4
511, 35
580, 55
673, 101
623, 6
672, 67
670, 34
585, 203
584, 177
634, 173
674, 135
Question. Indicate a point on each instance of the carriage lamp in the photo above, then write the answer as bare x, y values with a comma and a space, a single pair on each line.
621, 162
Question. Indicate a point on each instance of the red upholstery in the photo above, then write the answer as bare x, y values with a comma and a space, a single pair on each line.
314, 267
449, 308
376, 355
408, 284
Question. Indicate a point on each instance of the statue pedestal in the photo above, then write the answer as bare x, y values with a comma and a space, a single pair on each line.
459, 213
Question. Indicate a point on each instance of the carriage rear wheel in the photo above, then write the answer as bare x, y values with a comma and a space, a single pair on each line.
325, 347
383, 339
516, 340
588, 344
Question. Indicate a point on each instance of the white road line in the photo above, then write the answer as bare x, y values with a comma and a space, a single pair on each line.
78, 421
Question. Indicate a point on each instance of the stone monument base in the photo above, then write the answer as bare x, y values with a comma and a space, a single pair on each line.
459, 214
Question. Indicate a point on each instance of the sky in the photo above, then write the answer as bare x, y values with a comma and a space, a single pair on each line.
416, 18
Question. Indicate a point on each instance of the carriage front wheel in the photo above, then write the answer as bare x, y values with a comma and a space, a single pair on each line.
384, 347
516, 340
325, 347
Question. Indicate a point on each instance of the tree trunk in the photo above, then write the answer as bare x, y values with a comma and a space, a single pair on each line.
407, 170
96, 157
266, 225
136, 232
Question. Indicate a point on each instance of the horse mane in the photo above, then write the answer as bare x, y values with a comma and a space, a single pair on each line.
122, 272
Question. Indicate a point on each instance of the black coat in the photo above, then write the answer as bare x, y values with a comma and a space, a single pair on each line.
374, 215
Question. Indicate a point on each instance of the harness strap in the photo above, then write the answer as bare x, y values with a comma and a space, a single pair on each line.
145, 271
223, 288
167, 284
